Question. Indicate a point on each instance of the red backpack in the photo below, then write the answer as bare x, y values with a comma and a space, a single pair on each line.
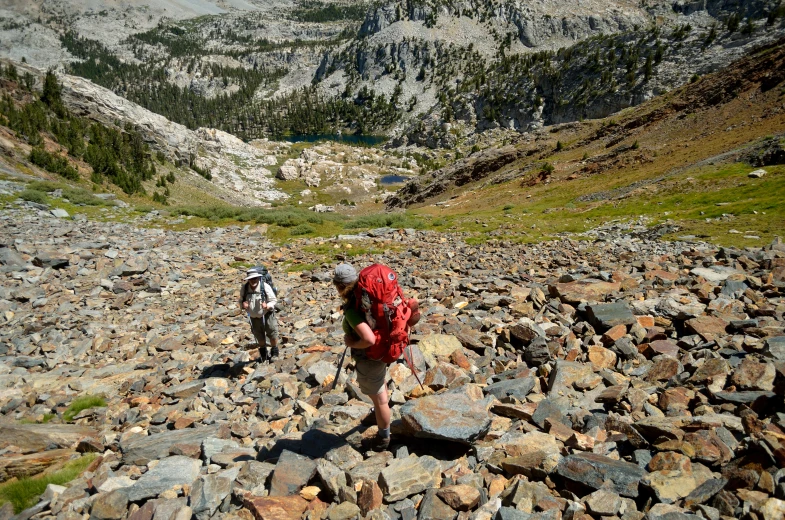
381, 300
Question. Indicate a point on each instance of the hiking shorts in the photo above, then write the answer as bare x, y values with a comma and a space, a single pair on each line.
371, 375
265, 328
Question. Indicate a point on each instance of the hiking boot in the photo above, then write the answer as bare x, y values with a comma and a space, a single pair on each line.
370, 419
274, 352
263, 356
380, 443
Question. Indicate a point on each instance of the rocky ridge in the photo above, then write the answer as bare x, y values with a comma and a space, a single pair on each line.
620, 378
450, 68
212, 150
460, 63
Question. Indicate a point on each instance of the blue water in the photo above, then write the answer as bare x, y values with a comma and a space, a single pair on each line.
361, 140
393, 179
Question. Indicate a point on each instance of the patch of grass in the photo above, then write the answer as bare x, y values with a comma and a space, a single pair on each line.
285, 217
241, 265
722, 193
47, 417
36, 196
76, 196
24, 493
369, 251
298, 268
397, 220
82, 403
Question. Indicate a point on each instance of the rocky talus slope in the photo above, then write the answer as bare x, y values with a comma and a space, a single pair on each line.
618, 378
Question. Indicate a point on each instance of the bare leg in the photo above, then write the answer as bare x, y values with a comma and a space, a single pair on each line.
381, 409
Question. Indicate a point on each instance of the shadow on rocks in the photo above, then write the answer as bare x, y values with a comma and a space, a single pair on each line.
437, 448
226, 370
315, 443
232, 369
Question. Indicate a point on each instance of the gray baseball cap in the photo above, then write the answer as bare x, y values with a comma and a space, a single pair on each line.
344, 274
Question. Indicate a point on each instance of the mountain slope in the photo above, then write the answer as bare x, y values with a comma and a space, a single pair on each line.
428, 72
562, 174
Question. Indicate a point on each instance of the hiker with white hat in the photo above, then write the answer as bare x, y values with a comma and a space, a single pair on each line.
258, 299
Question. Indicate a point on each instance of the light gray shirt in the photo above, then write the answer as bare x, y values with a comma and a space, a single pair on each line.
255, 299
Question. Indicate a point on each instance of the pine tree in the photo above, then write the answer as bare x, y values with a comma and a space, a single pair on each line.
51, 94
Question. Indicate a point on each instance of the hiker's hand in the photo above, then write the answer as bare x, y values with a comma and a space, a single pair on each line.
245, 305
353, 342
366, 337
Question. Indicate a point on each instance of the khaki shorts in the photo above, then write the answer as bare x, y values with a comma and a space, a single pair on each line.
371, 375
265, 327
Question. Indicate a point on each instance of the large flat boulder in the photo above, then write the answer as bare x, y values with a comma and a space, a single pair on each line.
31, 438
406, 477
441, 345
593, 470
291, 474
141, 450
605, 316
454, 416
587, 290
169, 472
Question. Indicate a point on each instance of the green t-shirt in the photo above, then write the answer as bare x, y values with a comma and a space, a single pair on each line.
351, 318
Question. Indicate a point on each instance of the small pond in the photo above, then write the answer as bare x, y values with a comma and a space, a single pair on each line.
393, 179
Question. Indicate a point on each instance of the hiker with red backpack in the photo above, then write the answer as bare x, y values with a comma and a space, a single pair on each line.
376, 324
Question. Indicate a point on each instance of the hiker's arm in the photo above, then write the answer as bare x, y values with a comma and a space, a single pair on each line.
366, 337
271, 298
243, 303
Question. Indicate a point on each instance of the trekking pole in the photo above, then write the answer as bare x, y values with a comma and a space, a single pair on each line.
340, 365
251, 324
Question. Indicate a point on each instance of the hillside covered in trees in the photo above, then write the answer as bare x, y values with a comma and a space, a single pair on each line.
60, 141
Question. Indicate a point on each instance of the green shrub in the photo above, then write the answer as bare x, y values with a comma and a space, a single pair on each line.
46, 186
24, 493
508, 207
74, 195
302, 229
80, 196
33, 196
202, 171
82, 403
732, 22
53, 163
160, 198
